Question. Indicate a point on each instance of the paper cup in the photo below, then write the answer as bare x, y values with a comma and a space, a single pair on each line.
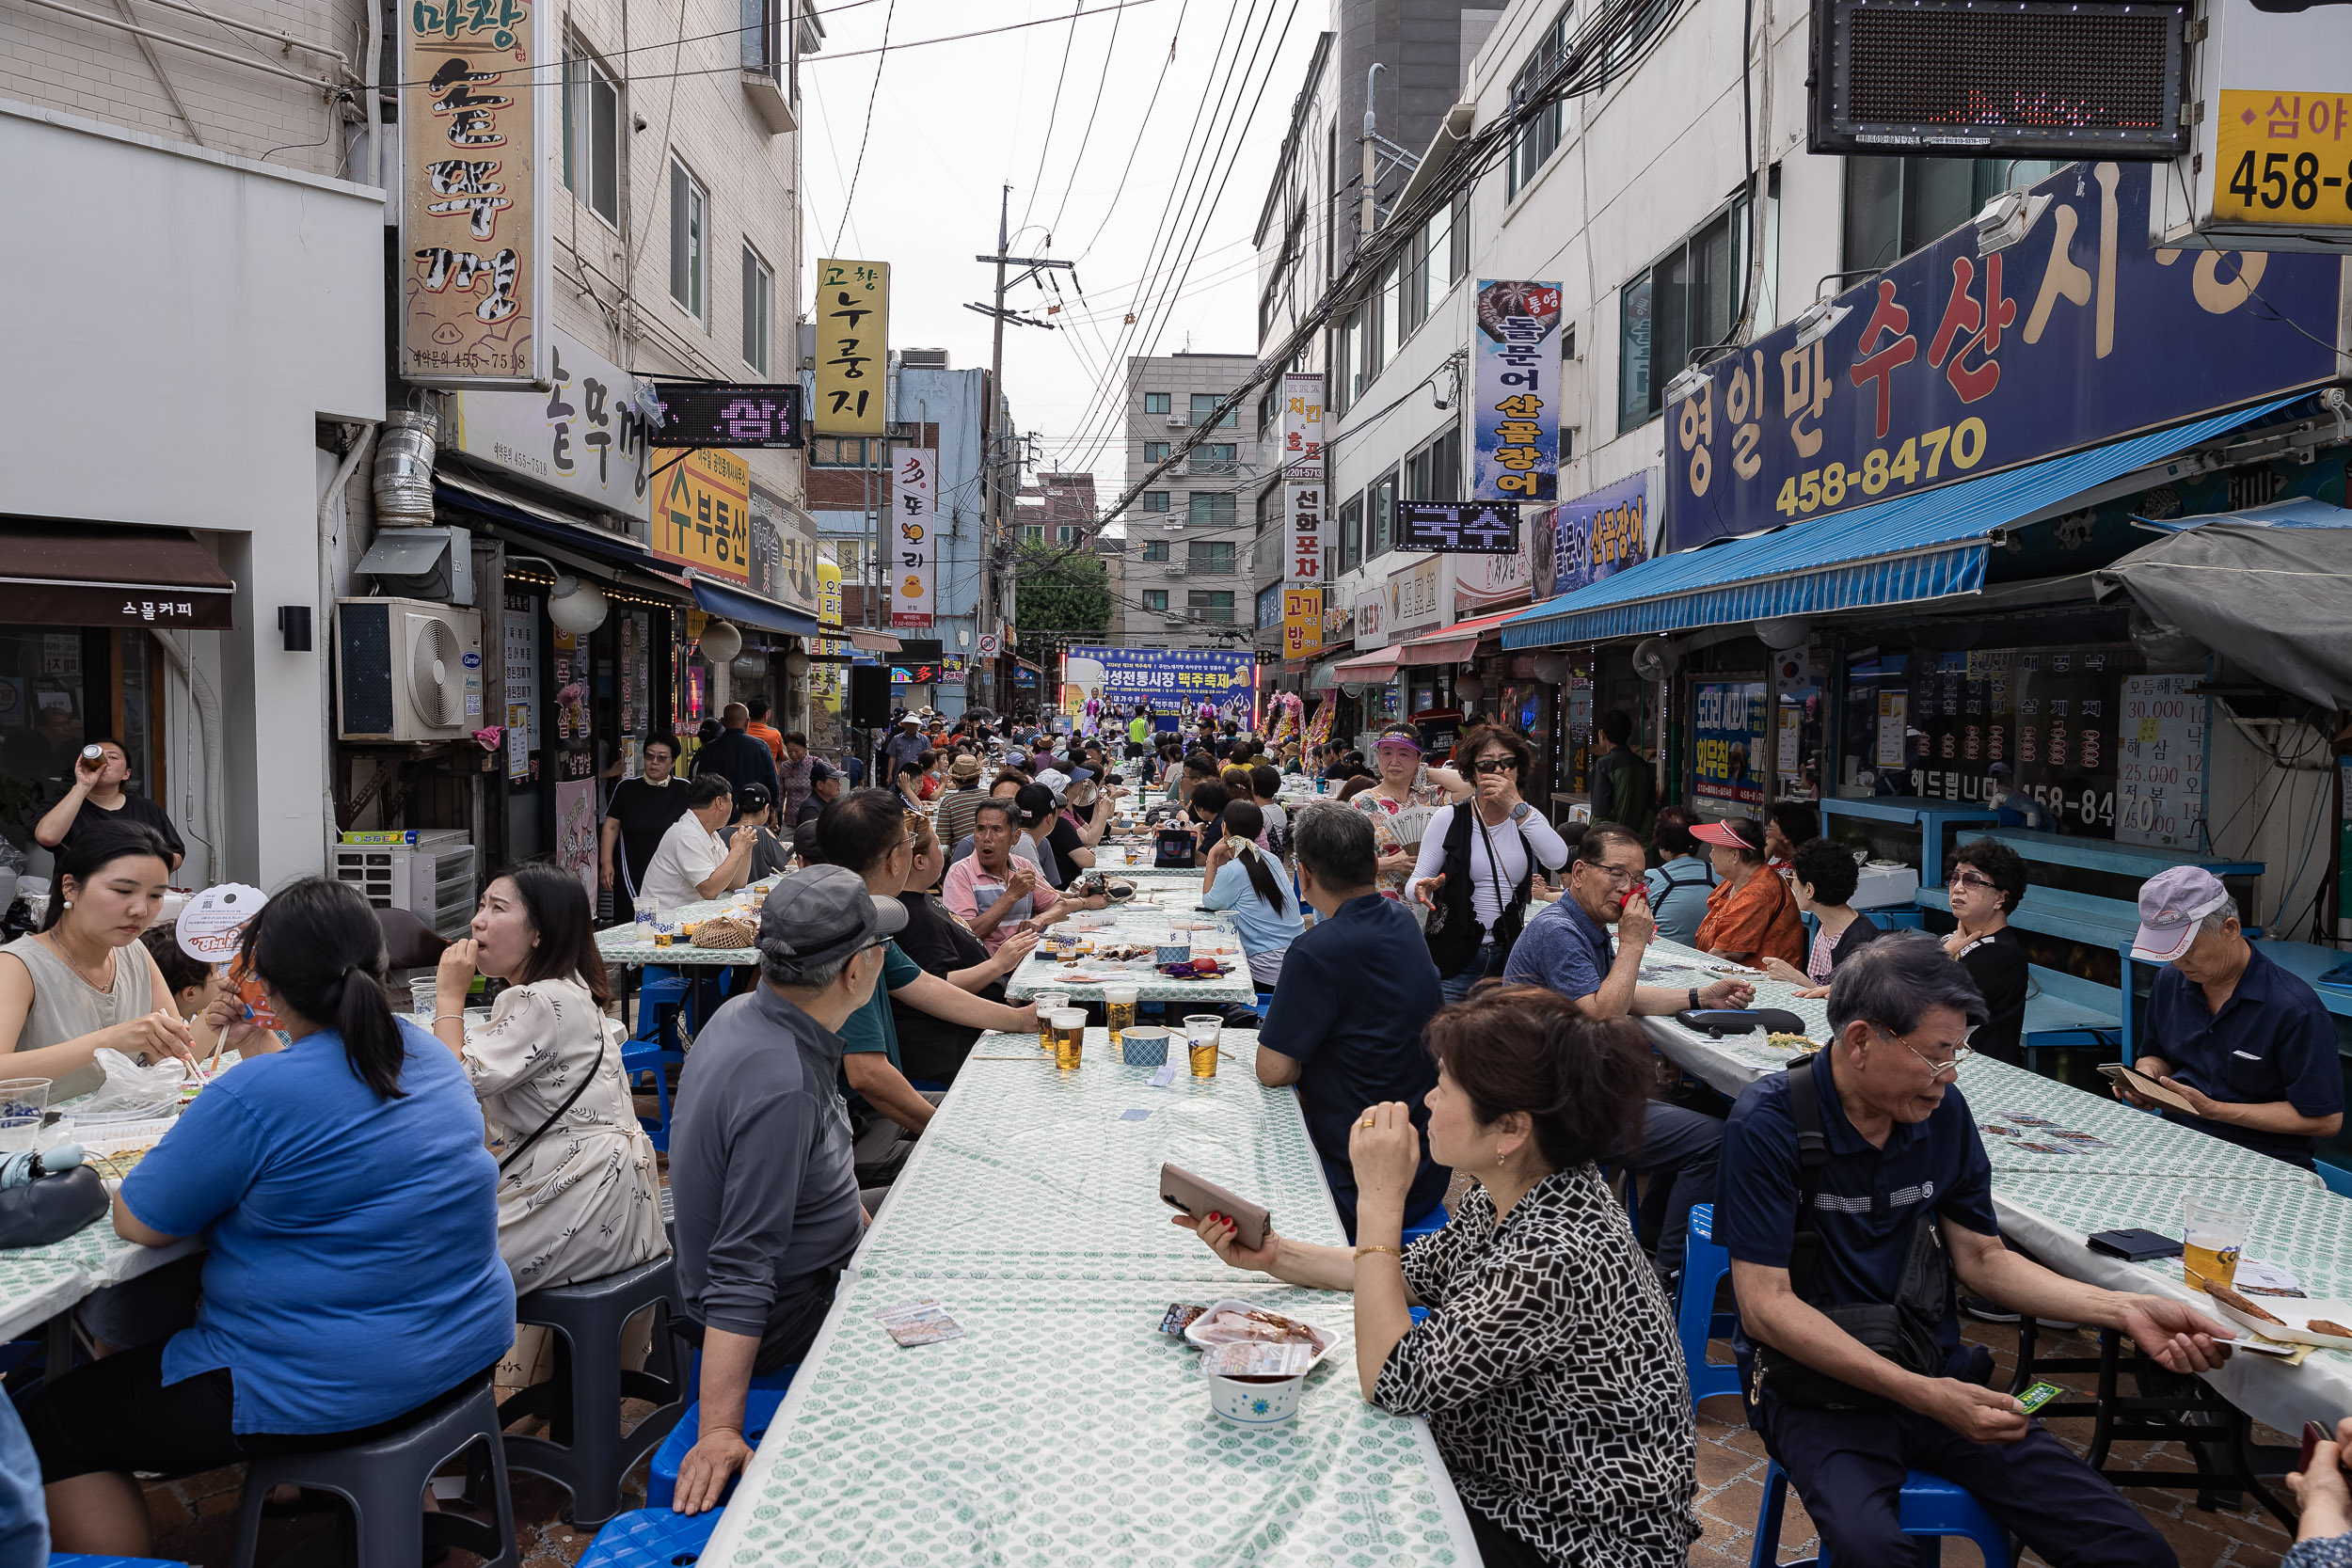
1144, 1046
1256, 1402
1172, 953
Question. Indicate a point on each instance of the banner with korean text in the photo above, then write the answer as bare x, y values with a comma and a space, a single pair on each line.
702, 511
852, 348
1516, 413
1172, 680
1954, 364
476, 147
913, 493
1302, 622
1302, 476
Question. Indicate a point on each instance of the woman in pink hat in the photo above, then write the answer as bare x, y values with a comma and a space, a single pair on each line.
1401, 804
1751, 917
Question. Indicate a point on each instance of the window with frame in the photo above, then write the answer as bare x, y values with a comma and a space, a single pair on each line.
1155, 403
1392, 323
760, 305
1213, 606
1155, 451
762, 38
1156, 549
1269, 408
591, 136
1209, 509
1380, 515
1204, 404
1209, 557
1216, 457
1534, 142
1033, 533
1681, 307
1155, 600
1896, 205
1435, 472
1351, 533
848, 451
690, 231
1155, 501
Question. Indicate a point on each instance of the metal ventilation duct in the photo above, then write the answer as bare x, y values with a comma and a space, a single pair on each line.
404, 471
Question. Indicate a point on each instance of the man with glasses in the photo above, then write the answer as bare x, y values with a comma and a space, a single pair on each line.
1842, 1260
1566, 947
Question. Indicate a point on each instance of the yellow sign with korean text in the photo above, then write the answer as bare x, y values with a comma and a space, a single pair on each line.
1302, 622
2284, 158
702, 511
853, 349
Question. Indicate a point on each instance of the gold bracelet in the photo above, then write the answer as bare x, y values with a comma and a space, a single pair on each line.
1397, 1253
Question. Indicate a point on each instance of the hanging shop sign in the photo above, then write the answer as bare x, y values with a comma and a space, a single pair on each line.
915, 492
744, 414
1460, 527
586, 434
1270, 608
784, 550
1372, 619
1592, 537
1302, 528
1517, 410
1302, 477
476, 151
852, 348
1954, 364
2271, 165
1414, 596
702, 512
1170, 679
1302, 622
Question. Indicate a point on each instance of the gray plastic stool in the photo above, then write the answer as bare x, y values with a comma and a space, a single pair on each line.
585, 1452
384, 1482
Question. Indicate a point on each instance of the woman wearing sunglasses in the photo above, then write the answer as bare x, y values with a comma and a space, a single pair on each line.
1986, 879
1477, 861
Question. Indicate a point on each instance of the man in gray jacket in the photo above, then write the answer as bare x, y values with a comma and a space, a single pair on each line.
760, 1155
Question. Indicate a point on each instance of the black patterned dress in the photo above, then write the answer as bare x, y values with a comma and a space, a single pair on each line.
1552, 1377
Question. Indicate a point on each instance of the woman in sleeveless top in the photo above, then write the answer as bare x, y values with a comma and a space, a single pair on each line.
578, 1201
85, 980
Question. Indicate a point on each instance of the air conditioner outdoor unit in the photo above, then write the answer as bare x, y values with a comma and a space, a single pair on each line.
1178, 621
432, 878
1175, 421
407, 670
1176, 569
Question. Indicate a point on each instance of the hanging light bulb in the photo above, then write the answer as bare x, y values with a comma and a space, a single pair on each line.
575, 606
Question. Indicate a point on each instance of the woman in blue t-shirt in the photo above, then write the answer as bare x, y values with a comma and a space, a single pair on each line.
1242, 877
350, 1210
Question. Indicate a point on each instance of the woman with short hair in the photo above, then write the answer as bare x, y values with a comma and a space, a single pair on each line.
1547, 1366
1985, 880
1679, 883
1751, 917
1823, 876
1478, 859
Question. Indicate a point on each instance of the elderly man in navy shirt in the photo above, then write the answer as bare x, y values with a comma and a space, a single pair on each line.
2249, 1045
1345, 1022
1566, 947
1860, 1242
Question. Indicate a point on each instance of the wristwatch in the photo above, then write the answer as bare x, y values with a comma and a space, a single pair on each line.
1694, 999
1518, 812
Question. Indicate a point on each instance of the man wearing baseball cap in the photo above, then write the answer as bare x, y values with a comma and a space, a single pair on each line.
2246, 1043
767, 1210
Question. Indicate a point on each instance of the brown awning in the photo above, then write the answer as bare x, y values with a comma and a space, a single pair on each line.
873, 641
58, 573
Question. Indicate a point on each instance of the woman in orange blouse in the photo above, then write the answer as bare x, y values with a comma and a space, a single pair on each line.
1751, 917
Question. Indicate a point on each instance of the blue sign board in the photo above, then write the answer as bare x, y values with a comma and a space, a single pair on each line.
1170, 679
1954, 364
1595, 536
1269, 607
1514, 408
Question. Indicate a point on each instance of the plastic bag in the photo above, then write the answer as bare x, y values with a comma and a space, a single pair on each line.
131, 1092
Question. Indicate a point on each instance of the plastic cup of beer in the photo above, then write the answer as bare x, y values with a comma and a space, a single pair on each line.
1047, 1005
1070, 1036
664, 935
2211, 1240
1201, 1033
1118, 1001
648, 909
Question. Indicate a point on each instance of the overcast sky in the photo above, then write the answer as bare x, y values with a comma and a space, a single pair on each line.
954, 122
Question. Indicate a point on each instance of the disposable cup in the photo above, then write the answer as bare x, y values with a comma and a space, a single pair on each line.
2212, 1239
1070, 1036
423, 993
23, 1102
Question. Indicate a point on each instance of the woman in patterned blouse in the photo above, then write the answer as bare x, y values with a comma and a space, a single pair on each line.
1548, 1365
2322, 1536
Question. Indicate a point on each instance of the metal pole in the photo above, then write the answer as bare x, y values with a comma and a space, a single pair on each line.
991, 437
1372, 125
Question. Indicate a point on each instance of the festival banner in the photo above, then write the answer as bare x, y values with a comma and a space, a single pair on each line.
1515, 417
914, 493
1172, 680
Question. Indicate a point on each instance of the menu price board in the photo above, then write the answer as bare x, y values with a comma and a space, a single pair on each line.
2160, 768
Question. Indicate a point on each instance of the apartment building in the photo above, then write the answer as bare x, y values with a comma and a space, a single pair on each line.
1187, 579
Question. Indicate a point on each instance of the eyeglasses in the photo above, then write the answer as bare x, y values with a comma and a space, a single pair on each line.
1497, 765
1617, 878
1935, 1069
1964, 879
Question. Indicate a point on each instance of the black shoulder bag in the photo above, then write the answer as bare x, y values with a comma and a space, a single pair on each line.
1904, 1331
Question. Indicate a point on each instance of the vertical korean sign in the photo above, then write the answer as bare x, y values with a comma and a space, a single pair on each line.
1302, 477
476, 153
852, 348
1302, 622
913, 483
1516, 456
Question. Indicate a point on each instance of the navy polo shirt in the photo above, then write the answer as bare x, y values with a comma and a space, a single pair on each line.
1355, 992
1563, 947
1869, 1199
2272, 1041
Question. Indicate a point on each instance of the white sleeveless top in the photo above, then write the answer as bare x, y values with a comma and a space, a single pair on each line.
66, 1006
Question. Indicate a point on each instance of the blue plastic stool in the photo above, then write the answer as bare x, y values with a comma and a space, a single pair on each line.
1930, 1508
1428, 1224
1704, 1266
651, 1538
83, 1560
759, 1409
662, 994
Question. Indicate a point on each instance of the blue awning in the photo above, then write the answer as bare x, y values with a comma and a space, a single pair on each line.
751, 609
2302, 511
1929, 546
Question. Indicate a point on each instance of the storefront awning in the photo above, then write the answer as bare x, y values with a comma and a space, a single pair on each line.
872, 641
1375, 668
73, 574
470, 495
1929, 546
1454, 644
2265, 586
741, 605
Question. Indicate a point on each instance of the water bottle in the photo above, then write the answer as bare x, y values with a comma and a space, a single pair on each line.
22, 1170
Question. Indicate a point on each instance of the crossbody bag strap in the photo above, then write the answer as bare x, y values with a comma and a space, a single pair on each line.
1804, 1109
604, 1044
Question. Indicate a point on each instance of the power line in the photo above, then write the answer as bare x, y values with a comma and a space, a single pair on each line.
873, 92
1053, 113
1086, 137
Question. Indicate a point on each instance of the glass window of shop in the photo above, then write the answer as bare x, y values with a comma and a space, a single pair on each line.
1527, 706
60, 688
1574, 759
1728, 729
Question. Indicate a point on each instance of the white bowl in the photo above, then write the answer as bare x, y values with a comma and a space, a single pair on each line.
1258, 1402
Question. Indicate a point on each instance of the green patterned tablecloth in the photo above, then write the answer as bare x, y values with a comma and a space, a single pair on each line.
38, 1283
1028, 1172
1138, 921
628, 947
1064, 1429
